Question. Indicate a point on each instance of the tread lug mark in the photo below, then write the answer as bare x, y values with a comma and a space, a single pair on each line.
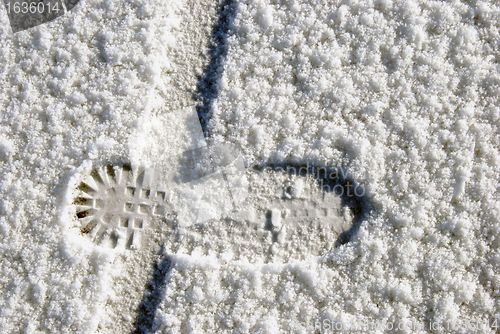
113, 205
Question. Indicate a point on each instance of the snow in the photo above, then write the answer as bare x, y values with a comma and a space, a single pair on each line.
404, 95
71, 90
6, 149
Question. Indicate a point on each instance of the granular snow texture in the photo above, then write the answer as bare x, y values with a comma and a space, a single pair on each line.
405, 96
70, 90
402, 94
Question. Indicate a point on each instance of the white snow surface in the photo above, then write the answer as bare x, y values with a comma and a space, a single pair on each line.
402, 94
71, 91
405, 96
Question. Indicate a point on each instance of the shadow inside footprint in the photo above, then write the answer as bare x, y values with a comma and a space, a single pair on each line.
334, 180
